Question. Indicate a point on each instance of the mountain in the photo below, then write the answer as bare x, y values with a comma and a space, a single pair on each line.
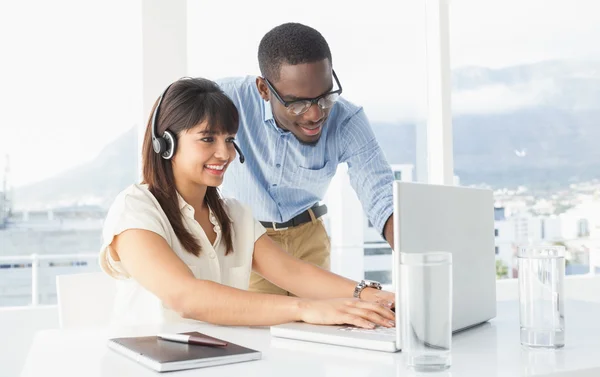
536, 125
94, 183
541, 147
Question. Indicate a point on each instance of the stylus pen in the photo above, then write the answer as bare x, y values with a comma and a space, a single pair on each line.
193, 339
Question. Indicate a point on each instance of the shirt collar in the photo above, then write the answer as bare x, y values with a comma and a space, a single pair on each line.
268, 111
181, 201
183, 204
270, 119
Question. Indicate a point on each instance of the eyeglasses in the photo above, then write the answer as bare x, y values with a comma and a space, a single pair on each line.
300, 106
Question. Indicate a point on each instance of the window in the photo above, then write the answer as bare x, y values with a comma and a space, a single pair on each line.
584, 228
522, 84
384, 277
496, 233
69, 114
543, 229
497, 250
398, 175
382, 250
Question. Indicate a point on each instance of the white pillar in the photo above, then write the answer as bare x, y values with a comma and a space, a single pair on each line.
434, 140
347, 231
164, 53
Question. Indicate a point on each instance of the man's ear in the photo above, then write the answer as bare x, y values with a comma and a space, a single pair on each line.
263, 89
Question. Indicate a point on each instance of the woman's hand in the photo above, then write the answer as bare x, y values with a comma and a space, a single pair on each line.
349, 311
384, 298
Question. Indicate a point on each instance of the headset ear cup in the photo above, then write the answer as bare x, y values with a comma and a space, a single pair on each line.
159, 145
170, 145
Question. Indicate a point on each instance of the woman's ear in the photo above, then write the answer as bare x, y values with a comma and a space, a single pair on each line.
263, 89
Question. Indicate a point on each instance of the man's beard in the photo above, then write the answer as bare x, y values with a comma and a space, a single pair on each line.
308, 143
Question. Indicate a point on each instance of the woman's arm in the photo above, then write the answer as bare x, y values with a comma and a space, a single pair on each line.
305, 279
152, 263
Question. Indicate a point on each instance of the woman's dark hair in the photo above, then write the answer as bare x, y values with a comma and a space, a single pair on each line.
187, 103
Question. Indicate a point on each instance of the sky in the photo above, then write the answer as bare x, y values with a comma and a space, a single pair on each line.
70, 72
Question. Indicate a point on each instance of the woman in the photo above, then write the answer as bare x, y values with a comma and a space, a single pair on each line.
182, 252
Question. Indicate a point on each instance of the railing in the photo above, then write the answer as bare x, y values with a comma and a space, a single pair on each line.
35, 259
375, 259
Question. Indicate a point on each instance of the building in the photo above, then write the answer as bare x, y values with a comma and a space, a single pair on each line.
522, 229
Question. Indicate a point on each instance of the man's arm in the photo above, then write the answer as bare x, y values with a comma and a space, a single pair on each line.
370, 174
388, 231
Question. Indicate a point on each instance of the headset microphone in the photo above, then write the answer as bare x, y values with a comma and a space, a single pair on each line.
239, 151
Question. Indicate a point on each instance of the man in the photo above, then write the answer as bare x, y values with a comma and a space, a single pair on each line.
294, 130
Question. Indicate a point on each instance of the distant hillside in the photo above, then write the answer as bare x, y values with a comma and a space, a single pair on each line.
536, 125
539, 148
96, 182
546, 137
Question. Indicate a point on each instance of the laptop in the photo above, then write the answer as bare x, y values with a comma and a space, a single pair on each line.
430, 218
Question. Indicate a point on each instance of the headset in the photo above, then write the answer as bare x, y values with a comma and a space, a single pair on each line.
165, 146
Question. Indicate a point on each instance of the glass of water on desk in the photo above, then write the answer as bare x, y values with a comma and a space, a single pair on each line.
425, 301
541, 285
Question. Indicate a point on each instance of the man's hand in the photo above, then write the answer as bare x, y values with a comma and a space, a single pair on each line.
351, 311
384, 298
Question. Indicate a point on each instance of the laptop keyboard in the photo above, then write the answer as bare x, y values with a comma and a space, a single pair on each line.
377, 330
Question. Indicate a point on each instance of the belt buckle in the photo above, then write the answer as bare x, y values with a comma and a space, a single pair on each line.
277, 229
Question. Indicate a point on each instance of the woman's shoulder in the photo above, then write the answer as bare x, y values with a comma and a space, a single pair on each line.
135, 207
135, 195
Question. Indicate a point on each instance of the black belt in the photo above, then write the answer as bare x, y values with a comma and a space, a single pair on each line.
302, 218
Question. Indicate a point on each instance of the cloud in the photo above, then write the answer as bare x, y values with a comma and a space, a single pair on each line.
498, 98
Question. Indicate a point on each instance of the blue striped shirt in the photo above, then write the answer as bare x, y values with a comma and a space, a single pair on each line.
281, 177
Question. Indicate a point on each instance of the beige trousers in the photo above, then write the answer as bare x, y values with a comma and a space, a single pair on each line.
308, 242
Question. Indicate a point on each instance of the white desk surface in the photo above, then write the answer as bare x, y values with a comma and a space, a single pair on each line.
492, 349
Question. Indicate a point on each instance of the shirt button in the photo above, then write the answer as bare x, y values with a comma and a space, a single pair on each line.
212, 255
278, 165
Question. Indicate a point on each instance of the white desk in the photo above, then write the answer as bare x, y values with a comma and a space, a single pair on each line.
491, 349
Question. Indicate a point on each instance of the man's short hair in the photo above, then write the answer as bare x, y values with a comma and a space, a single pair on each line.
290, 43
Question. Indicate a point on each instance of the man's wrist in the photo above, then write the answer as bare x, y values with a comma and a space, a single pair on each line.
369, 294
364, 285
388, 230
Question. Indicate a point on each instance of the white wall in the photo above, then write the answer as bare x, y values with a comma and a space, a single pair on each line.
553, 226
587, 209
